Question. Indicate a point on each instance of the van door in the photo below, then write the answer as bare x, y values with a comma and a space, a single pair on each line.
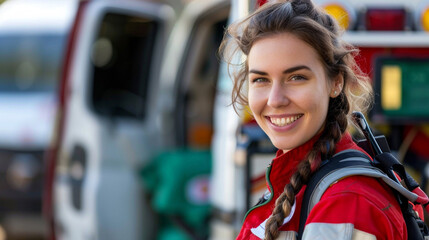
190, 74
106, 129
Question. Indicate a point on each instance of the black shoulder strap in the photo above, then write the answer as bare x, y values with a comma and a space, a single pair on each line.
346, 163
340, 160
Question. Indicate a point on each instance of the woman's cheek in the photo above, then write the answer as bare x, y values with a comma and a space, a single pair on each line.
256, 99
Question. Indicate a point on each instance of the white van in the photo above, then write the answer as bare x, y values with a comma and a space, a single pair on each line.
106, 124
133, 85
33, 36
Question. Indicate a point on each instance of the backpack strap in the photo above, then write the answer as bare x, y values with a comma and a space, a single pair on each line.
343, 164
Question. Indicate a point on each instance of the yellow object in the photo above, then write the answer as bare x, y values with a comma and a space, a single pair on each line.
339, 13
425, 19
247, 115
425, 129
391, 92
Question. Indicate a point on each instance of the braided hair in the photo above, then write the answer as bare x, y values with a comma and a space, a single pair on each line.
318, 29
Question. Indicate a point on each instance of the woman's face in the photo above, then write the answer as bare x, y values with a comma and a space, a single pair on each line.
288, 89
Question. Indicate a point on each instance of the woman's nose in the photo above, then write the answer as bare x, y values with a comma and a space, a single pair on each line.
278, 96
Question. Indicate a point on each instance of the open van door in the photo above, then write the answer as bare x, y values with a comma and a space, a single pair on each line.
106, 128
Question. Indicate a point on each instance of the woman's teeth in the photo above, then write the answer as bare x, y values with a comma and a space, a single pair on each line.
284, 121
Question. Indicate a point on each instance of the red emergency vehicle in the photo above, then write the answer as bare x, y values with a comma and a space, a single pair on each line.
393, 40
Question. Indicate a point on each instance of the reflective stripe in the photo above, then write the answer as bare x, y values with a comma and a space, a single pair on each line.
361, 235
260, 230
287, 235
329, 231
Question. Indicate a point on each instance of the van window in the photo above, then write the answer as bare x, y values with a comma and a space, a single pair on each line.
121, 58
30, 62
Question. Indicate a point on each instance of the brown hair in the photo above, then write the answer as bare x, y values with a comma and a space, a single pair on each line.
318, 29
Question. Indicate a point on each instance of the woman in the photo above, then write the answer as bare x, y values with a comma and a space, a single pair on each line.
301, 83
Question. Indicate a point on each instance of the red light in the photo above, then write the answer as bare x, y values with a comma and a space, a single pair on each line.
385, 19
261, 2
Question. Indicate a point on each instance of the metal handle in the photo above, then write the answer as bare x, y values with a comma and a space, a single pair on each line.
360, 120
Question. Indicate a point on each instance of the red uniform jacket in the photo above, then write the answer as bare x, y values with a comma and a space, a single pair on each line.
354, 208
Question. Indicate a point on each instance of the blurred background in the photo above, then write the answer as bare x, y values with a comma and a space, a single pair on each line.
116, 123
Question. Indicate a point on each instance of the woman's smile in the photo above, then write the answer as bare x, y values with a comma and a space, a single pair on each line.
284, 121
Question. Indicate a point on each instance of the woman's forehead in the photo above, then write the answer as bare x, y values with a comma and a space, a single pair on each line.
282, 49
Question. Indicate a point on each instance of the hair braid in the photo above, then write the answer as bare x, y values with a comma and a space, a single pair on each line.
336, 124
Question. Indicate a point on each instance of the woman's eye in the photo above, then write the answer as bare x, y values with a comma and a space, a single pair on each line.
259, 80
298, 78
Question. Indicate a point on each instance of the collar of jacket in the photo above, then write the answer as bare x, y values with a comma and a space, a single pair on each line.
285, 164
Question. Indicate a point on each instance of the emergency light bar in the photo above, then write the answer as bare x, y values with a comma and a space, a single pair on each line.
380, 19
374, 18
344, 14
422, 19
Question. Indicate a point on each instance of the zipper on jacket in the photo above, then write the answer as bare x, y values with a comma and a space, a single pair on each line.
267, 178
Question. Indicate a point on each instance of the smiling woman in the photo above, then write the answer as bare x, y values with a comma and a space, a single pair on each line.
288, 93
301, 83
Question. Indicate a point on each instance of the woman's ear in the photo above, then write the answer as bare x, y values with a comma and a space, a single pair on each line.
337, 86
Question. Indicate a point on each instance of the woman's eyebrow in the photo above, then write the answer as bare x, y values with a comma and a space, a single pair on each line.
257, 72
289, 70
293, 69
